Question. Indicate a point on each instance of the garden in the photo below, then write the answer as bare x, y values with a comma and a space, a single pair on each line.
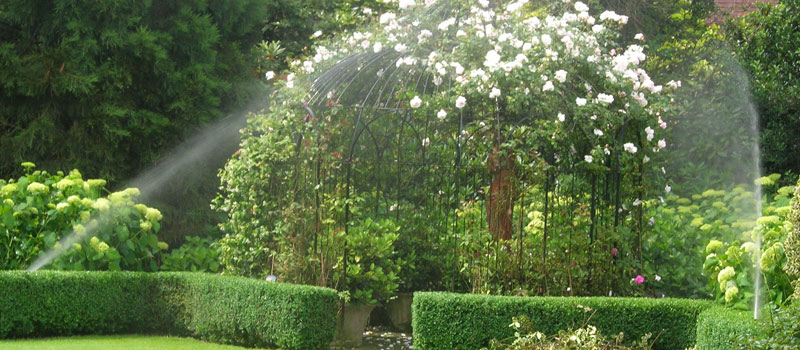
398, 174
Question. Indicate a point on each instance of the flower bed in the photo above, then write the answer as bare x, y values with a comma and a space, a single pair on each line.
221, 309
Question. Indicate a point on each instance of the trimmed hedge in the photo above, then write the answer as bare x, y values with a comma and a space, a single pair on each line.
718, 328
462, 321
217, 308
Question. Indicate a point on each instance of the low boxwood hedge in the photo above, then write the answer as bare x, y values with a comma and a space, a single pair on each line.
217, 308
460, 321
720, 328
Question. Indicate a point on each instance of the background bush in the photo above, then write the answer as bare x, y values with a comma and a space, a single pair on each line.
232, 310
460, 321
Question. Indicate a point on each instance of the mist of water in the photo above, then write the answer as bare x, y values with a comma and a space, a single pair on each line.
757, 193
216, 140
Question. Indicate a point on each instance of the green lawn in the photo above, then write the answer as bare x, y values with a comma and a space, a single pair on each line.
113, 342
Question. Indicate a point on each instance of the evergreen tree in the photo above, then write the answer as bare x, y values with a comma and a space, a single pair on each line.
105, 86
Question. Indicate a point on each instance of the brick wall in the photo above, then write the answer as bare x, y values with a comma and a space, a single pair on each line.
734, 8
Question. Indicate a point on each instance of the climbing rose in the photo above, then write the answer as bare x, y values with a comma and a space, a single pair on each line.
561, 75
461, 101
604, 98
416, 102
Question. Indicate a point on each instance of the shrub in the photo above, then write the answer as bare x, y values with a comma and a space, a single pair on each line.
222, 309
371, 273
196, 255
456, 321
41, 211
720, 328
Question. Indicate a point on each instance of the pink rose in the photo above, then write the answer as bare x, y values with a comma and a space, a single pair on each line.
639, 279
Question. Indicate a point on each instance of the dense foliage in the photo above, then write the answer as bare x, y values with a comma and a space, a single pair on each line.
87, 227
767, 42
459, 321
210, 307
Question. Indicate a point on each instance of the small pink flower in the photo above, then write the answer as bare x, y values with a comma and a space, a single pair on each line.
639, 279
614, 252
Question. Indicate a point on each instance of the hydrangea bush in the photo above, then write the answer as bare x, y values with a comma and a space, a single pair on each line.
550, 98
717, 229
86, 226
732, 254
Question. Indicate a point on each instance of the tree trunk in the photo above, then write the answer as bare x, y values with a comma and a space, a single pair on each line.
500, 204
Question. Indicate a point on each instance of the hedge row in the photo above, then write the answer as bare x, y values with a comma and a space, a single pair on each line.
468, 322
221, 309
719, 328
